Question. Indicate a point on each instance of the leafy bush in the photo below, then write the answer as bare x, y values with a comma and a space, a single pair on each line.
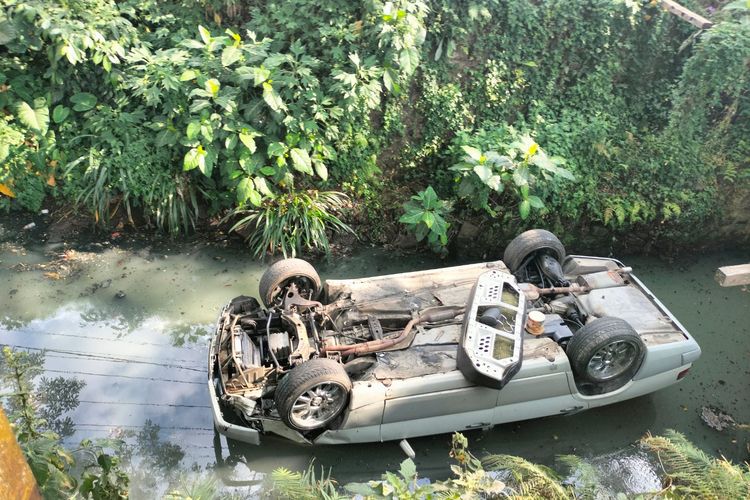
425, 216
292, 222
525, 164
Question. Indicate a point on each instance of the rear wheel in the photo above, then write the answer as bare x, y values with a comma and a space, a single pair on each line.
313, 394
277, 279
606, 352
529, 243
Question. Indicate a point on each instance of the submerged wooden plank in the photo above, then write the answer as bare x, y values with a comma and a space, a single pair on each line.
733, 275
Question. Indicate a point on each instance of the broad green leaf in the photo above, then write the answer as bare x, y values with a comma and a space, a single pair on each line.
429, 198
268, 171
207, 132
262, 186
408, 470
521, 176
206, 162
260, 75
205, 35
408, 58
321, 170
495, 183
390, 79
212, 86
565, 173
483, 172
246, 192
524, 208
37, 118
188, 74
83, 101
361, 489
535, 201
412, 216
440, 226
301, 160
191, 159
248, 141
272, 98
428, 218
60, 113
524, 191
466, 188
193, 129
473, 153
276, 149
230, 55
230, 142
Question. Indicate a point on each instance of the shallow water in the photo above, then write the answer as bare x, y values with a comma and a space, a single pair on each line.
133, 324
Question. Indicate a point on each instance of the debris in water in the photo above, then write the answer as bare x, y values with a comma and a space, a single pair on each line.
716, 419
120, 295
44, 212
30, 225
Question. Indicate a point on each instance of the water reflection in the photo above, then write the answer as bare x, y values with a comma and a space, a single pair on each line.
57, 396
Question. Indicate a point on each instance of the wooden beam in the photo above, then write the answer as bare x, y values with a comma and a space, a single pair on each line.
688, 15
733, 275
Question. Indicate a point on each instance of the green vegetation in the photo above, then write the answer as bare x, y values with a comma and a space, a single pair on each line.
35, 411
162, 113
688, 473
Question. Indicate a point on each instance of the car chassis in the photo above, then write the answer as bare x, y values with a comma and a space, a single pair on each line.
427, 352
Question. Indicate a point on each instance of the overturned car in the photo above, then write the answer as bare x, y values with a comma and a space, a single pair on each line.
404, 355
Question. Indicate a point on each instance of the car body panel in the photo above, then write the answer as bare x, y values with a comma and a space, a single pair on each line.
420, 390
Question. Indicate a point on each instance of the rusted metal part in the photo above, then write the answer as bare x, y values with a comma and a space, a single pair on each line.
404, 338
533, 292
293, 301
688, 15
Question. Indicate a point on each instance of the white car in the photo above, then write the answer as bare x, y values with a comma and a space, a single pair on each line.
428, 352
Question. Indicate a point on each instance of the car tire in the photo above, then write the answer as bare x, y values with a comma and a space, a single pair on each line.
529, 242
283, 273
606, 352
313, 394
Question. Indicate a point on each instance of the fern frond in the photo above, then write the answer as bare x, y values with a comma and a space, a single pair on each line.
532, 480
693, 473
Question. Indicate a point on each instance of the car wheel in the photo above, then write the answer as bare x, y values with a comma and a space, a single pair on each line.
281, 274
531, 242
312, 394
606, 352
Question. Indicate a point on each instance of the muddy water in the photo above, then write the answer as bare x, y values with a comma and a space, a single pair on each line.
132, 322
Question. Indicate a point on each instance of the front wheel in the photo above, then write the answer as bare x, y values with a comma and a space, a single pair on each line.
606, 352
312, 394
277, 279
